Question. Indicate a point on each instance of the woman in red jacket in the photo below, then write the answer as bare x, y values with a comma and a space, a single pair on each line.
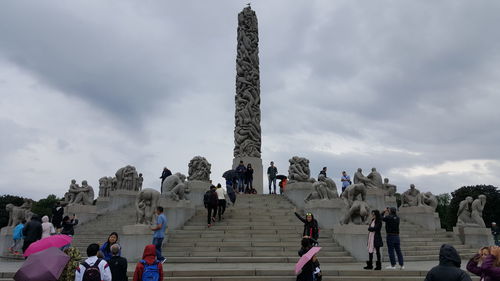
149, 265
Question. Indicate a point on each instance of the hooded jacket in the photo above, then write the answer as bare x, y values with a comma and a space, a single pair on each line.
449, 266
47, 227
149, 256
33, 230
311, 228
487, 271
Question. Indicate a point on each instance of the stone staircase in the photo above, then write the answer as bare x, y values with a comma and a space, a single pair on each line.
258, 240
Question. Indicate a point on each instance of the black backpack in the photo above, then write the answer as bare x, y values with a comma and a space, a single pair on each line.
92, 273
206, 199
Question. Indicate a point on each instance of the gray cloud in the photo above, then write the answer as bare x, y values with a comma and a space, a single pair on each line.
88, 87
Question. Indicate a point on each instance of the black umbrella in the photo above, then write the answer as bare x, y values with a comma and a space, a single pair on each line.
281, 177
229, 174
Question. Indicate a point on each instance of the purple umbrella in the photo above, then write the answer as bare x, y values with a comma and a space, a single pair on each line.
46, 265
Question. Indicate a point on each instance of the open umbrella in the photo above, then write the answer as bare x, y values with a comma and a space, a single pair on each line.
305, 258
281, 177
229, 174
46, 265
52, 241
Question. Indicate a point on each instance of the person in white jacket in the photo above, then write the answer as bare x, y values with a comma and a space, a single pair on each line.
47, 227
221, 196
103, 266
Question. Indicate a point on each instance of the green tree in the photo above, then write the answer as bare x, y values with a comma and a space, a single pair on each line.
442, 209
44, 206
4, 200
491, 211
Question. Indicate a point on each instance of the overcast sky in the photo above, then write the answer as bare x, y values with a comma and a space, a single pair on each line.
409, 87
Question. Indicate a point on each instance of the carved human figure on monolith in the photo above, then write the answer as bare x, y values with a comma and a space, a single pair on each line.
390, 189
199, 169
464, 213
69, 197
174, 187
357, 213
411, 197
374, 179
477, 210
247, 132
298, 170
146, 202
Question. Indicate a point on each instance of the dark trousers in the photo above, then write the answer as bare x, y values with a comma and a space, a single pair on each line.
26, 244
272, 181
394, 245
157, 242
370, 255
212, 212
249, 183
221, 208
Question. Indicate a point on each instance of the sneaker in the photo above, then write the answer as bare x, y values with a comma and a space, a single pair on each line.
209, 225
391, 267
401, 267
163, 260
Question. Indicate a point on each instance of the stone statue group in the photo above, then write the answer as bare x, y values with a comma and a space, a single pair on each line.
174, 189
357, 210
470, 212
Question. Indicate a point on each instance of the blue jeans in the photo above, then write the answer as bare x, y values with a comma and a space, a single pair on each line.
241, 184
157, 242
273, 181
394, 244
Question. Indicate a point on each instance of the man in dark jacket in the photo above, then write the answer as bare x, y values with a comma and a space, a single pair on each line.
57, 216
211, 203
32, 232
449, 266
165, 174
117, 264
391, 220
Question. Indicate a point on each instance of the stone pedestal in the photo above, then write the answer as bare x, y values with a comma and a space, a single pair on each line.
258, 174
133, 240
177, 212
328, 213
196, 191
84, 213
375, 198
297, 192
5, 239
354, 239
423, 216
390, 201
102, 203
474, 235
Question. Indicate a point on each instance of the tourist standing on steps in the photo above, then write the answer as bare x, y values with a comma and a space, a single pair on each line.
249, 179
374, 240
106, 247
57, 216
272, 172
159, 232
308, 272
346, 180
32, 232
148, 268
117, 264
495, 231
17, 237
221, 203
165, 174
210, 200
323, 172
47, 227
240, 172
449, 267
393, 243
90, 262
311, 229
68, 225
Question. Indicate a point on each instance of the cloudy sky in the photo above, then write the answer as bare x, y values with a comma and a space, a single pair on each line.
409, 87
